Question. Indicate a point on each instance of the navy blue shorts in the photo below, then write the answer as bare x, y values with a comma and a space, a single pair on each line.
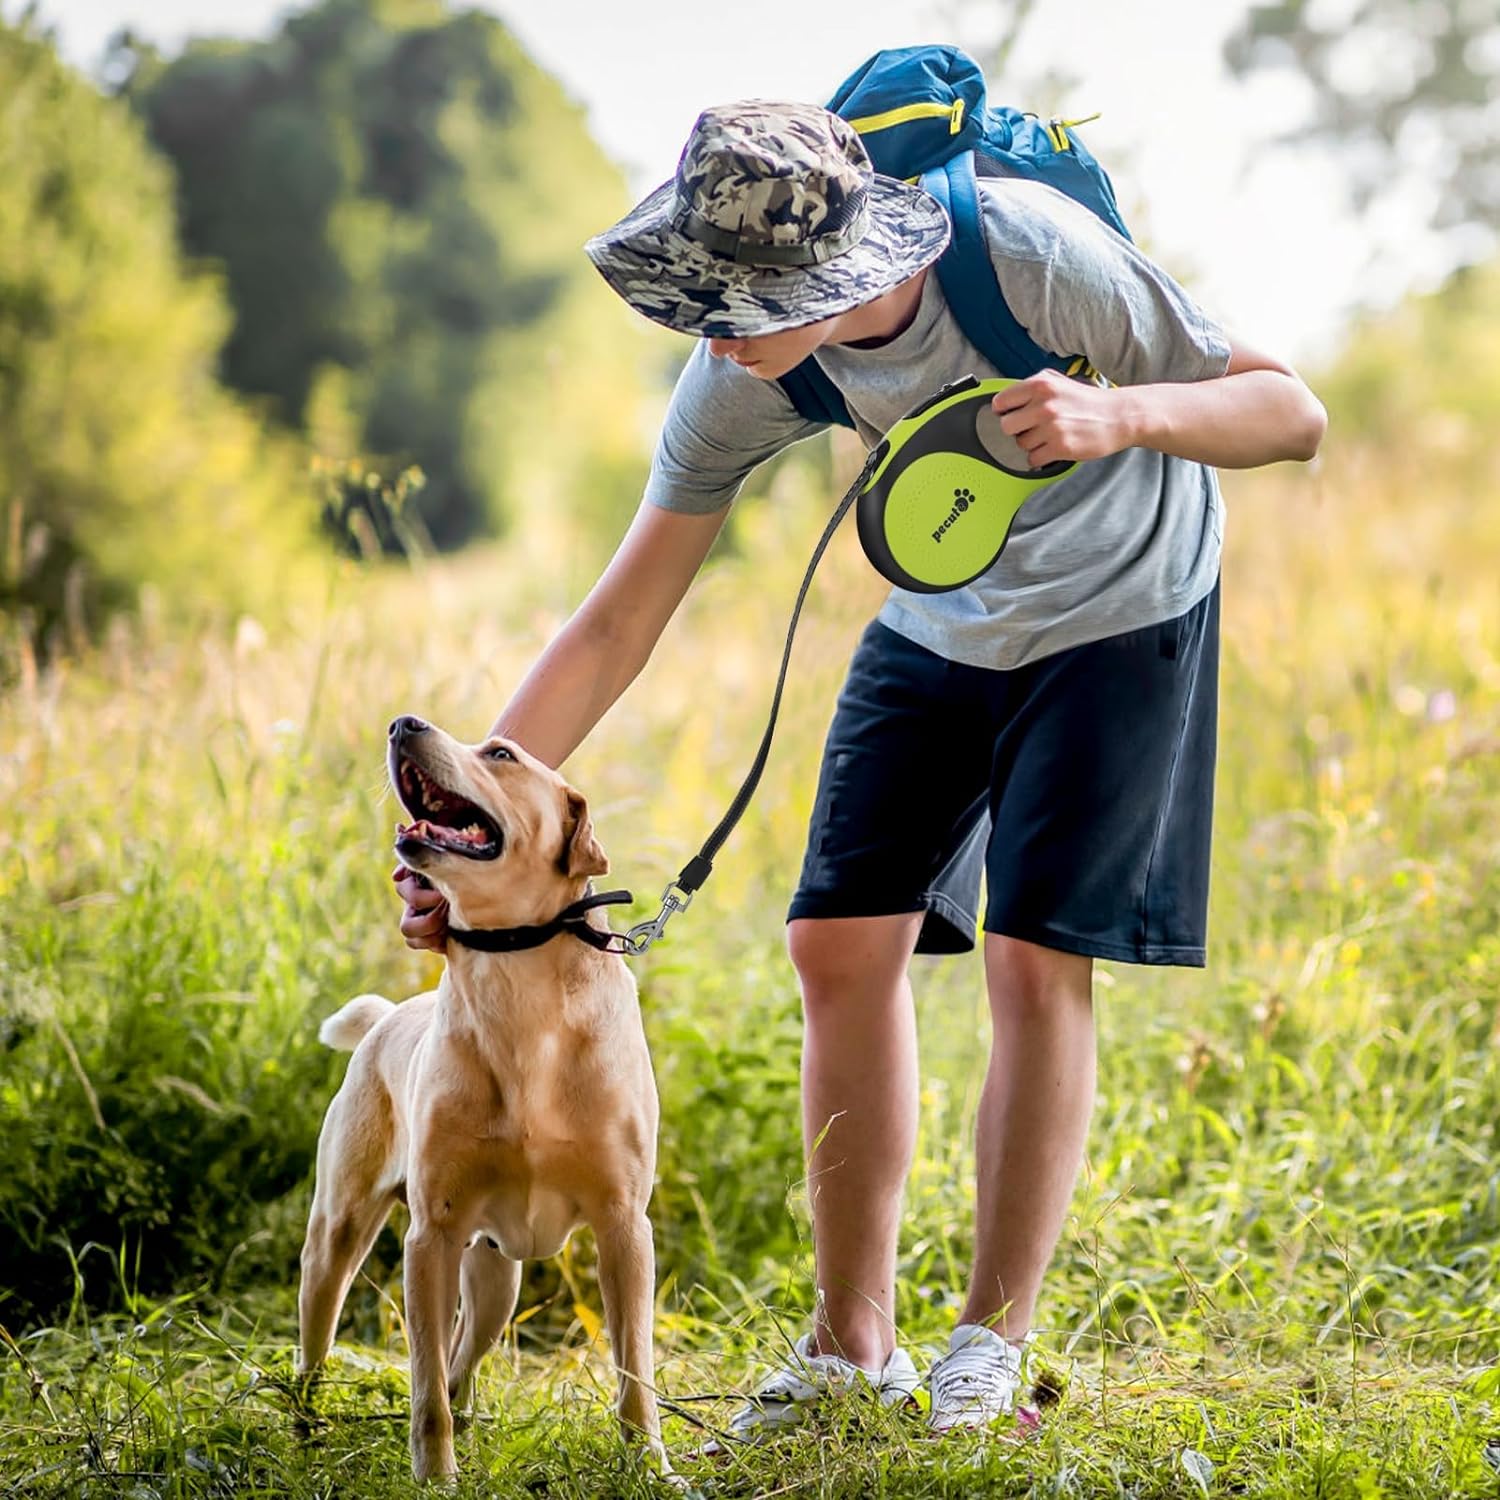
1081, 785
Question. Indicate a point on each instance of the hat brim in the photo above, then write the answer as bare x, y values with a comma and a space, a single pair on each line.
675, 281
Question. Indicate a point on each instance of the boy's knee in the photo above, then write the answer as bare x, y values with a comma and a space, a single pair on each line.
853, 957
1027, 977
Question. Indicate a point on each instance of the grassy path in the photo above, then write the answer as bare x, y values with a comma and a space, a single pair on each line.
1287, 1237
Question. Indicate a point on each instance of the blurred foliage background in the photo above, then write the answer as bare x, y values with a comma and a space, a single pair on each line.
123, 460
396, 195
312, 412
356, 240
1401, 89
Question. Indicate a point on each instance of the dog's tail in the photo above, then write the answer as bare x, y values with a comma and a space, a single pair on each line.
345, 1028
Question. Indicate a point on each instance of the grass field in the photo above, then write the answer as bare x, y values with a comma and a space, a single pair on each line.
1281, 1275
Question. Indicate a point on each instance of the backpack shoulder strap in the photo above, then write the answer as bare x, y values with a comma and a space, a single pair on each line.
814, 395
967, 276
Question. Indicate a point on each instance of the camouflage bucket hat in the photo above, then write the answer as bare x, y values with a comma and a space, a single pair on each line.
774, 219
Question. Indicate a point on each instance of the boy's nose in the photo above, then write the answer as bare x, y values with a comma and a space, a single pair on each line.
720, 347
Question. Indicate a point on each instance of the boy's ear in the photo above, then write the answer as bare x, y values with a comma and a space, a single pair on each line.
581, 854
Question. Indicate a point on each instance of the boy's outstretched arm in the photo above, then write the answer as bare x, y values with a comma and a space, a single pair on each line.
611, 635
587, 665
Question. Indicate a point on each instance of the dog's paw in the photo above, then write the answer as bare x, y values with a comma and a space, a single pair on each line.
677, 1484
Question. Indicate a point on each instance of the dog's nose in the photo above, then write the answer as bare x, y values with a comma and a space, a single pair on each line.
406, 724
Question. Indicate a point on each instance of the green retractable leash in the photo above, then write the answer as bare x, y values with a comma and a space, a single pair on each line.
947, 483
936, 498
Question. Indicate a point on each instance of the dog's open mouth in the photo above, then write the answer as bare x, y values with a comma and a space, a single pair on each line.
442, 819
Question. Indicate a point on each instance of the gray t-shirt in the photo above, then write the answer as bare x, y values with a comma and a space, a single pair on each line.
1116, 544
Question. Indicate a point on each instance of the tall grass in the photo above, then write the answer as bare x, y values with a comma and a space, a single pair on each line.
1290, 1190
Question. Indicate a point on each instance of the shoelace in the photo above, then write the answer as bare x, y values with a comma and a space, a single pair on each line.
790, 1382
785, 1385
969, 1374
800, 1382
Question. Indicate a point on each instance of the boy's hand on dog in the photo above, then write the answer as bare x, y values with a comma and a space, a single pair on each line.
425, 921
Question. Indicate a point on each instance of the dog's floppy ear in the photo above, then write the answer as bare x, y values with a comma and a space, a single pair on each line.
581, 854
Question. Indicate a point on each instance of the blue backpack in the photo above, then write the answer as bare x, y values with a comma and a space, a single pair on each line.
922, 114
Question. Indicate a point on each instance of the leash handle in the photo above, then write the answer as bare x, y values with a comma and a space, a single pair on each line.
680, 892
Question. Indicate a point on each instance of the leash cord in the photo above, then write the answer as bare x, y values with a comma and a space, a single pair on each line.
679, 893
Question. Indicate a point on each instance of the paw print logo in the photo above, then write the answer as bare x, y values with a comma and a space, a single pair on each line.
963, 499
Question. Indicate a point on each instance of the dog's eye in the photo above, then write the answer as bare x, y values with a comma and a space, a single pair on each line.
499, 752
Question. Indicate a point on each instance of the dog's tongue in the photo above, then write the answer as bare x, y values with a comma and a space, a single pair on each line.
442, 833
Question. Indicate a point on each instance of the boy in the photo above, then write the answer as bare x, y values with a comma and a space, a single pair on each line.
1072, 690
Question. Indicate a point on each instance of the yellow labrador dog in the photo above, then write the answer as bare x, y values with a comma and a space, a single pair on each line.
506, 1107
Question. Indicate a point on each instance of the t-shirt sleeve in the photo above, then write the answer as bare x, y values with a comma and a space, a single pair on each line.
1078, 287
721, 422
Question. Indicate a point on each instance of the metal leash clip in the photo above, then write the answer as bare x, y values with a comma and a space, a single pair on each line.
643, 934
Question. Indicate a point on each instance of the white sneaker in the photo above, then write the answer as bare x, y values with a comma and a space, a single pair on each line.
975, 1382
789, 1394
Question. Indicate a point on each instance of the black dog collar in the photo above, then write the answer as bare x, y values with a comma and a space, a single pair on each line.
571, 919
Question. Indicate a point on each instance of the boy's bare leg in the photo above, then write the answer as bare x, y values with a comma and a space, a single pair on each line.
1033, 1123
859, 1094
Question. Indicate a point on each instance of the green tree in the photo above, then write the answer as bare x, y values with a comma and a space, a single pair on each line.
121, 458
398, 197
1401, 87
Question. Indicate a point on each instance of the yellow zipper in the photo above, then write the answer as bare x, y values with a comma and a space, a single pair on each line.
1057, 130
904, 112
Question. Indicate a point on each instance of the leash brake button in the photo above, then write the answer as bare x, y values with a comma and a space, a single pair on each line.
953, 388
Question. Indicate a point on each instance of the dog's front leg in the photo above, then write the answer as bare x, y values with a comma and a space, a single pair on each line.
433, 1252
627, 1277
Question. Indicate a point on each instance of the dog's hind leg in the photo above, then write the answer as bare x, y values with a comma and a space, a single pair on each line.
627, 1274
338, 1239
488, 1284
349, 1206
